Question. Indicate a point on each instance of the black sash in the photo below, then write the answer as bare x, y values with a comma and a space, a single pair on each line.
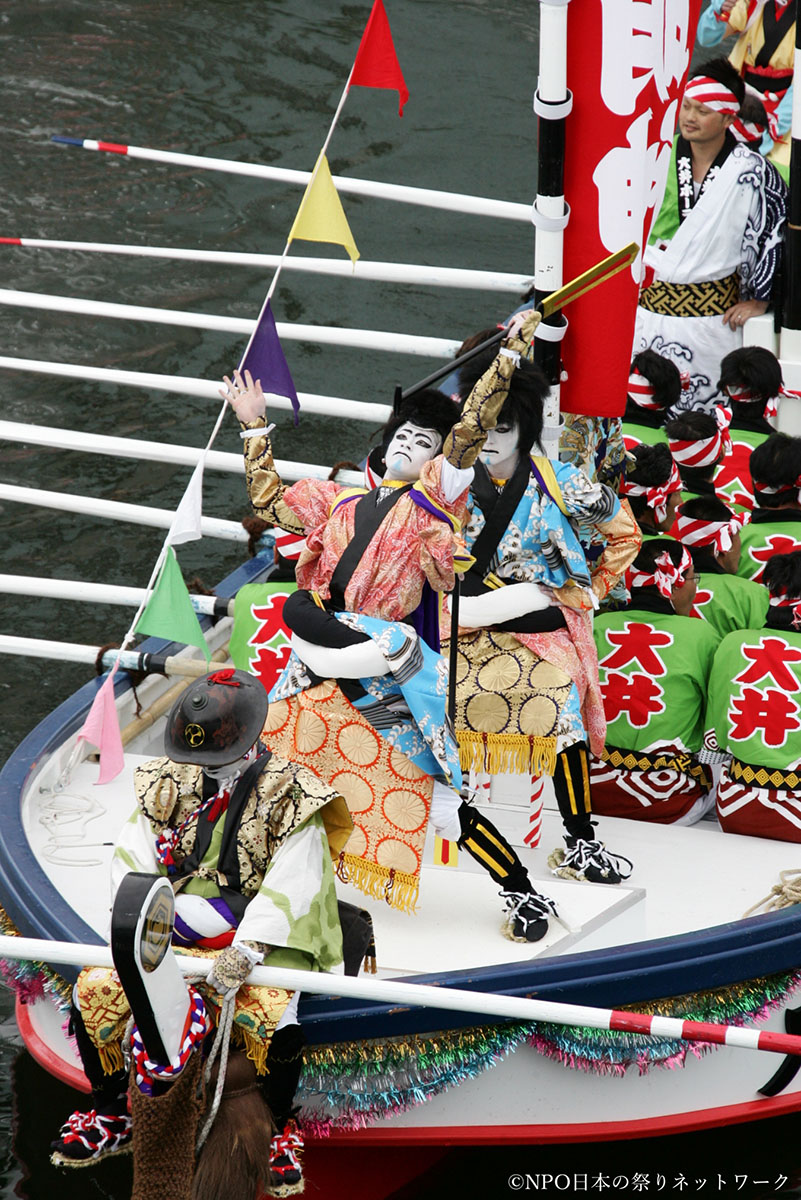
498, 509
774, 32
684, 172
228, 863
370, 512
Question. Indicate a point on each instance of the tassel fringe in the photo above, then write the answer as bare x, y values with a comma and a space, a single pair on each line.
398, 888
506, 753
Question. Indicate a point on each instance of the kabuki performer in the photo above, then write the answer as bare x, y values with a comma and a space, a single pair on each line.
527, 699
363, 697
754, 715
246, 838
654, 664
716, 242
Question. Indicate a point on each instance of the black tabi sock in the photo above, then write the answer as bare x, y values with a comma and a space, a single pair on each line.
571, 783
489, 847
284, 1063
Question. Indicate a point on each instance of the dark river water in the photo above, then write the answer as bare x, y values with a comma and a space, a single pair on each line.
255, 80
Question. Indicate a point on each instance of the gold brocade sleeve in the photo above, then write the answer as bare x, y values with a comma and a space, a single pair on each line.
480, 413
623, 541
265, 487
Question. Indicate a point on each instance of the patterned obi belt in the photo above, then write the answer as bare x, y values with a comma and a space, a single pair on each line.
710, 299
764, 776
639, 760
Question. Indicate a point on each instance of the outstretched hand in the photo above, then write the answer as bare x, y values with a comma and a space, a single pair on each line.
523, 324
245, 396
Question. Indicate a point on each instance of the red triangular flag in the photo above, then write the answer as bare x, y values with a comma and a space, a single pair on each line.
376, 63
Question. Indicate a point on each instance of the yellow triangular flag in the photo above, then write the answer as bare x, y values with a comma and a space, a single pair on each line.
321, 217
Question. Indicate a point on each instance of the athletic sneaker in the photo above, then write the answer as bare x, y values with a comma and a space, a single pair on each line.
591, 860
286, 1173
527, 915
87, 1137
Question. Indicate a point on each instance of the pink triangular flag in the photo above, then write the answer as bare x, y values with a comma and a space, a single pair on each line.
102, 730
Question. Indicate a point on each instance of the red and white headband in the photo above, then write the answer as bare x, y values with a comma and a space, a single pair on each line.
692, 531
783, 600
656, 497
763, 489
641, 391
742, 395
289, 545
666, 574
712, 95
703, 452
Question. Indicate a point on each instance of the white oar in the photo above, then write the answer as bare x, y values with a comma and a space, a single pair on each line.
116, 510
324, 335
375, 272
129, 660
396, 992
427, 197
188, 456
207, 389
100, 593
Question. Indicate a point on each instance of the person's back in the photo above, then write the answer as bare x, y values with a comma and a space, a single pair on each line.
775, 526
751, 384
653, 662
754, 714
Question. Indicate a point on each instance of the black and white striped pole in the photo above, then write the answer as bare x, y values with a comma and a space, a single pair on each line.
550, 214
789, 420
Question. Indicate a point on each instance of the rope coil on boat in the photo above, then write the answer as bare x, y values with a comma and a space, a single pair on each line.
782, 895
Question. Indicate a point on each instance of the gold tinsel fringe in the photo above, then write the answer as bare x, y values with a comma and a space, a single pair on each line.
111, 1056
398, 888
255, 1048
506, 753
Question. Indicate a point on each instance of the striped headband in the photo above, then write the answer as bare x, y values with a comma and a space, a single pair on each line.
742, 395
712, 95
289, 545
783, 600
641, 391
666, 575
703, 452
656, 497
763, 489
692, 531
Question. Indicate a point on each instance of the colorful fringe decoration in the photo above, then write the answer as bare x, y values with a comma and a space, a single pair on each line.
351, 1085
399, 888
32, 981
506, 753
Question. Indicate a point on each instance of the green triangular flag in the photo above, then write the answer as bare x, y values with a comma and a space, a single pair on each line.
169, 612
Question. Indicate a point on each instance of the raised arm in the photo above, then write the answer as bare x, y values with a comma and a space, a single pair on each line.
480, 413
265, 487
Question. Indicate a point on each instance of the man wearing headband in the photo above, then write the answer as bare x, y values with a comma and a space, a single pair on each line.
654, 662
764, 56
751, 385
715, 244
775, 526
754, 715
654, 387
711, 533
652, 485
697, 442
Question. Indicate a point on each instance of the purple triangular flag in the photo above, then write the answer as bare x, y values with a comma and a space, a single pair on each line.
265, 360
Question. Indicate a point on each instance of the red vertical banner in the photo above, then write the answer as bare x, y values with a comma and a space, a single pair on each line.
627, 62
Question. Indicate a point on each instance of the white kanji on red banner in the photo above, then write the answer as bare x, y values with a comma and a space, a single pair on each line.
642, 41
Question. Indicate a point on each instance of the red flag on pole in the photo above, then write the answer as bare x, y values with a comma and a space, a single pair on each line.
376, 63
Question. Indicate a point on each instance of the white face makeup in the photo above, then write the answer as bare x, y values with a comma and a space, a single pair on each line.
500, 454
410, 449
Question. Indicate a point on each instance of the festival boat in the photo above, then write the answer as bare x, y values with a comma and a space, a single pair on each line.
696, 933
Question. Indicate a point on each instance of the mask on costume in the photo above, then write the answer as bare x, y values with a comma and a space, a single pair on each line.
410, 449
501, 449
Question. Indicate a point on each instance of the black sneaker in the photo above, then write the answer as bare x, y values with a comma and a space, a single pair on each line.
590, 860
87, 1137
527, 915
286, 1172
